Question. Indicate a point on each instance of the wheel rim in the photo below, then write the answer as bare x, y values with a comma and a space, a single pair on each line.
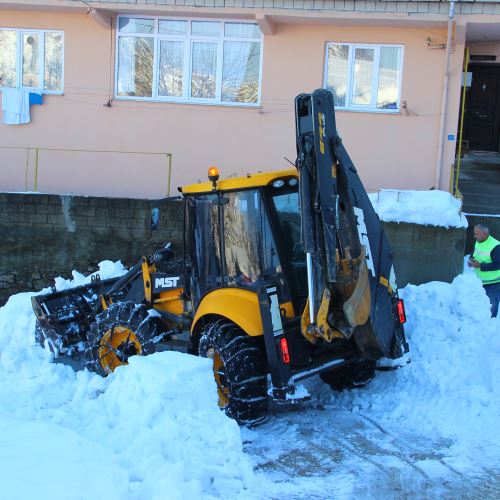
220, 377
117, 345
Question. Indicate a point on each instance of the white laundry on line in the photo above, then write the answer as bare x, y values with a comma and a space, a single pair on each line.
15, 106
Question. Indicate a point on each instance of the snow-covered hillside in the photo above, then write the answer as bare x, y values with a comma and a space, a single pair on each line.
153, 430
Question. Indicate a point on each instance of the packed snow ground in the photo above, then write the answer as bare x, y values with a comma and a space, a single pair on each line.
153, 430
433, 208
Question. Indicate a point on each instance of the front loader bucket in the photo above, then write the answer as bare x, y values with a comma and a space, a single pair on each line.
64, 317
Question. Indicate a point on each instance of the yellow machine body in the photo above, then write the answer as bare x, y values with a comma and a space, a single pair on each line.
171, 301
239, 306
240, 183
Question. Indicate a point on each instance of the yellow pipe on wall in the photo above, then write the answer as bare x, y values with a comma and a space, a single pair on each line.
35, 183
462, 113
37, 160
27, 166
169, 173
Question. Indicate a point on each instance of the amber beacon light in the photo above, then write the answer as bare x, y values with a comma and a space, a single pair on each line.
213, 175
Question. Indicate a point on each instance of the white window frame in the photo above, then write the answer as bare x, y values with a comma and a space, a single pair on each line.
41, 59
372, 108
188, 43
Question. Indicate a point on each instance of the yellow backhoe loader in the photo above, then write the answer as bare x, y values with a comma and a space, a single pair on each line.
283, 275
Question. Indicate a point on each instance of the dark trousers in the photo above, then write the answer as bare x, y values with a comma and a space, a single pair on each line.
493, 293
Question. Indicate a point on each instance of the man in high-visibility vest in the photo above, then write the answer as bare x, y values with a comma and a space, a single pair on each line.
486, 261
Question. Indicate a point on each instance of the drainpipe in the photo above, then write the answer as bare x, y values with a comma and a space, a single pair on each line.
444, 99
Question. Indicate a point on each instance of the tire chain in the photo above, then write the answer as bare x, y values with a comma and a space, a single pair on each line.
245, 371
128, 314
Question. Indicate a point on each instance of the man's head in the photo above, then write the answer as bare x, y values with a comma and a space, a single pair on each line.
481, 233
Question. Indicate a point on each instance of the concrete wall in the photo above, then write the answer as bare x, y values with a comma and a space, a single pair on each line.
44, 236
390, 150
425, 253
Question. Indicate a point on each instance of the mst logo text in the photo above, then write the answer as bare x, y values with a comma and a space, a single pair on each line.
167, 282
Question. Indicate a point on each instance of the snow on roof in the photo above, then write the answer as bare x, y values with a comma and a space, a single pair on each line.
431, 208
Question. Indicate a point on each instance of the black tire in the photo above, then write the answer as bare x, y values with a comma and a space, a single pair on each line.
121, 331
352, 376
242, 379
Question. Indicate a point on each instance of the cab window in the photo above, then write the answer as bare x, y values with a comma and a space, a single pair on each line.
251, 256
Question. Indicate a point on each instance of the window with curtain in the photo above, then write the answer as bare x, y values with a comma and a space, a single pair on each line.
364, 77
32, 59
135, 66
184, 60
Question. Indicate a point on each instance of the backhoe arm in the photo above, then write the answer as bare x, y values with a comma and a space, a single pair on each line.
349, 260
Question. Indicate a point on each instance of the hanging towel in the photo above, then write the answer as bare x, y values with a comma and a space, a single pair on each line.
15, 106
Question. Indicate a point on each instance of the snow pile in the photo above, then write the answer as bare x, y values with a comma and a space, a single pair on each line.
151, 430
432, 208
451, 385
107, 269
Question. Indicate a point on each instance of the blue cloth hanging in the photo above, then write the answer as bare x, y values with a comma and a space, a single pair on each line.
36, 98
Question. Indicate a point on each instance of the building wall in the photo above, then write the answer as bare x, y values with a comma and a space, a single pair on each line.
390, 151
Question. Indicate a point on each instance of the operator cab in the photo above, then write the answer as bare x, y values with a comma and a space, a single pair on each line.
246, 234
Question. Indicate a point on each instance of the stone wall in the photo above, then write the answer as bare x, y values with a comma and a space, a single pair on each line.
44, 236
425, 253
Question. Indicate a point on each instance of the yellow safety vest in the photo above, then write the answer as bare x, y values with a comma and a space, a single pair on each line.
482, 253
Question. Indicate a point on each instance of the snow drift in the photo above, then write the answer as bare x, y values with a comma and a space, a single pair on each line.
153, 428
433, 208
451, 384
150, 430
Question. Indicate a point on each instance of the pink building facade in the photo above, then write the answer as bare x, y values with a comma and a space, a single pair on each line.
139, 98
